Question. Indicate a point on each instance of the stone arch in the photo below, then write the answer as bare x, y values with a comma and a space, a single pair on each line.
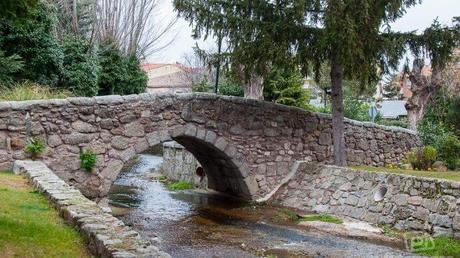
226, 170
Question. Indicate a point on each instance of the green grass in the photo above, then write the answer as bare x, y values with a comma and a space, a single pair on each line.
162, 178
426, 245
286, 215
451, 175
31, 91
438, 246
322, 218
181, 185
29, 227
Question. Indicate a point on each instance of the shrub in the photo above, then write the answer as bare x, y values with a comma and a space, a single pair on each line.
80, 68
31, 91
453, 115
448, 146
9, 65
230, 88
120, 74
88, 160
35, 147
422, 158
203, 86
285, 86
392, 122
355, 109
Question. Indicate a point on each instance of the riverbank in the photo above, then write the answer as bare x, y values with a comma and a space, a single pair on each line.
30, 227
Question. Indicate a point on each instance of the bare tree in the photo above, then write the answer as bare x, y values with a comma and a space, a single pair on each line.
78, 12
423, 87
133, 25
195, 69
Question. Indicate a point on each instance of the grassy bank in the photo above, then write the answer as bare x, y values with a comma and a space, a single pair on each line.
29, 227
426, 245
450, 175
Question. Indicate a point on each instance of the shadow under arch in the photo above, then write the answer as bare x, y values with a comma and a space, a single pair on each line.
223, 165
222, 173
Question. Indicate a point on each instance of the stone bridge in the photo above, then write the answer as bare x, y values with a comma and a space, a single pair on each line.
245, 146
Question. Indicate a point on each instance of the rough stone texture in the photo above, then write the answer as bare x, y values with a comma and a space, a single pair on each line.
180, 165
106, 236
410, 203
245, 146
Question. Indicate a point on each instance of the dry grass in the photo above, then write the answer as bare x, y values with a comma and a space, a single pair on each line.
31, 91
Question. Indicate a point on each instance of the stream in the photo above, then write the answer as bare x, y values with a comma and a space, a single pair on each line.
203, 224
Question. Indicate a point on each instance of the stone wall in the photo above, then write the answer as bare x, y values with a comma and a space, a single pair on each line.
180, 165
105, 235
245, 146
402, 202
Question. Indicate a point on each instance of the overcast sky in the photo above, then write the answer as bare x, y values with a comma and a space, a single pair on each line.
416, 18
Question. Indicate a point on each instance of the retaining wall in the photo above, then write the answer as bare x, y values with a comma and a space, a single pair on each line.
400, 201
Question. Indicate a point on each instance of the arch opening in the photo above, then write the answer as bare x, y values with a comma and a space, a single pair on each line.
222, 173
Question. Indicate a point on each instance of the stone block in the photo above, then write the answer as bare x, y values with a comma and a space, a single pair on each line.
325, 139
83, 127
211, 136
120, 142
134, 129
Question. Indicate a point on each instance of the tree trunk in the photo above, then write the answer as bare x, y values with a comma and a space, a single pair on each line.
423, 87
74, 17
254, 88
337, 114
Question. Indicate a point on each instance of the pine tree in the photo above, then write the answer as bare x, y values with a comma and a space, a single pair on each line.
353, 37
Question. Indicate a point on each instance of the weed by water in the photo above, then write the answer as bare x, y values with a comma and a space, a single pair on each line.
162, 178
181, 185
322, 218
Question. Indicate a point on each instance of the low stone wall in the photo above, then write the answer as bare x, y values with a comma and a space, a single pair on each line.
180, 165
106, 236
403, 202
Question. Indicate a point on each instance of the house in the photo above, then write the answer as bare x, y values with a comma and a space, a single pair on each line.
171, 78
393, 109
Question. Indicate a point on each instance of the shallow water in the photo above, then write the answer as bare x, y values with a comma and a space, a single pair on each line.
198, 224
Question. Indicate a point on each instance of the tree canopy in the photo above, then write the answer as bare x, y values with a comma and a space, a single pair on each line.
353, 37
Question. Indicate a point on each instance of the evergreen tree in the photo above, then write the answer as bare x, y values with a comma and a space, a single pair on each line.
120, 74
33, 42
353, 37
80, 67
